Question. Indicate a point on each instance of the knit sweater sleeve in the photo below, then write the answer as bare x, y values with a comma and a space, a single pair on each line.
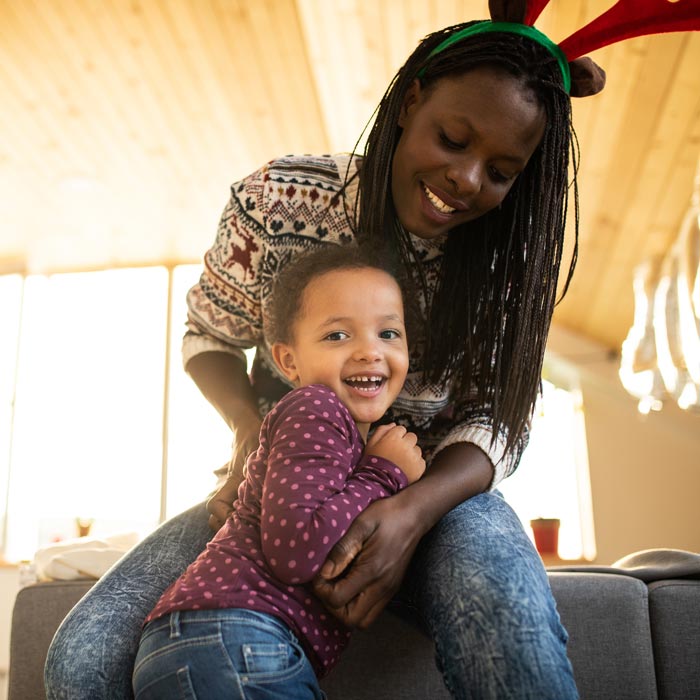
224, 310
317, 481
474, 425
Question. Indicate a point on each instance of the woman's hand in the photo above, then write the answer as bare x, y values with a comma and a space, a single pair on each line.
220, 505
365, 568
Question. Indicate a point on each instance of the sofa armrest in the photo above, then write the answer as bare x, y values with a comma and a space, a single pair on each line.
37, 613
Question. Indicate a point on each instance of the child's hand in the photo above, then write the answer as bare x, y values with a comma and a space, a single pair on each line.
395, 443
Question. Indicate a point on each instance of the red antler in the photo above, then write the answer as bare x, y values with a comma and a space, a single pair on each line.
630, 18
534, 9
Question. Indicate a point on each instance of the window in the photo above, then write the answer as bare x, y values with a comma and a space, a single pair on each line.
82, 408
552, 480
99, 422
88, 403
198, 439
11, 304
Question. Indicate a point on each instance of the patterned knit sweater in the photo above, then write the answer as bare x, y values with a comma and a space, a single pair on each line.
290, 206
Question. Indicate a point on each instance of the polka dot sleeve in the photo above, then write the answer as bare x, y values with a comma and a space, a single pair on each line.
316, 482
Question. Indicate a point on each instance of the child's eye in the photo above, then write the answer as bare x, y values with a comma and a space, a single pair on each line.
336, 336
389, 334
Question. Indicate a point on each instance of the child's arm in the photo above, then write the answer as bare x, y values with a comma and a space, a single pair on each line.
317, 482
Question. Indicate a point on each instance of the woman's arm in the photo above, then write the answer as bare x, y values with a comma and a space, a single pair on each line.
223, 381
381, 541
473, 423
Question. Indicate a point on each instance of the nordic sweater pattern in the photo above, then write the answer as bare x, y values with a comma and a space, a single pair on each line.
304, 486
290, 206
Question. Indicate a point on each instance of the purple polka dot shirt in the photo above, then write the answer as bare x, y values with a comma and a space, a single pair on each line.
304, 486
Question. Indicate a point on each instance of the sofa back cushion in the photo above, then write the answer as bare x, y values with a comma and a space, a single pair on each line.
607, 617
674, 610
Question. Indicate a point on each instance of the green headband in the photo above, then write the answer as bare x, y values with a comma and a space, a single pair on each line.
487, 26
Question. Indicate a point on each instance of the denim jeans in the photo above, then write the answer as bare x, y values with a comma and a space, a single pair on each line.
479, 587
228, 654
92, 653
476, 583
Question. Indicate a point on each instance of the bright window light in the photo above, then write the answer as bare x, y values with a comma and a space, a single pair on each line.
552, 479
88, 412
90, 430
199, 441
11, 305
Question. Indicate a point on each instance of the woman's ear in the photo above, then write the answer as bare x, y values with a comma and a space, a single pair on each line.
284, 358
410, 99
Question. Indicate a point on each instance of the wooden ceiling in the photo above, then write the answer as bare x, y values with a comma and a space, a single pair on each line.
123, 122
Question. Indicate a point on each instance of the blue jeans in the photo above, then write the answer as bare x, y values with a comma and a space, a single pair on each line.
480, 589
476, 583
229, 654
92, 653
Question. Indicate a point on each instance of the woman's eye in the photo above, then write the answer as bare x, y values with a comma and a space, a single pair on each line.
498, 176
447, 141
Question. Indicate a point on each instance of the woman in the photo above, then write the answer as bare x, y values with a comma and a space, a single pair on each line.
464, 181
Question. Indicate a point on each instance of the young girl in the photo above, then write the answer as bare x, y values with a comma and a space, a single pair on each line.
230, 623
465, 180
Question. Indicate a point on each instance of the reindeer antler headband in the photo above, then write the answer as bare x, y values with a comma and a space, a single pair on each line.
624, 20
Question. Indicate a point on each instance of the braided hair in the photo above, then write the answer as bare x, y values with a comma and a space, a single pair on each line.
489, 317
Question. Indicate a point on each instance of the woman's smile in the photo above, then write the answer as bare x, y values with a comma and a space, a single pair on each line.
463, 143
442, 202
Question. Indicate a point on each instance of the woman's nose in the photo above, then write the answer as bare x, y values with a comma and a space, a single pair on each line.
465, 175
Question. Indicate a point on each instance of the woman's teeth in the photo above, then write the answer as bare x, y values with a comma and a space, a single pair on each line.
364, 383
437, 202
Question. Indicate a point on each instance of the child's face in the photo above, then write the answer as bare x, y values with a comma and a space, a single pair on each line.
463, 144
350, 335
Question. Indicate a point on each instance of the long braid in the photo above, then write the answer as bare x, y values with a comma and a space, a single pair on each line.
490, 315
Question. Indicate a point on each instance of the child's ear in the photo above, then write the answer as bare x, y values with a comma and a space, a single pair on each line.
284, 358
410, 99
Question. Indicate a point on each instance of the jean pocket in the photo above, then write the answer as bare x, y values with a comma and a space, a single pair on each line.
268, 658
174, 686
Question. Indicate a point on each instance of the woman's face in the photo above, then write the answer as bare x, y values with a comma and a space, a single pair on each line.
463, 143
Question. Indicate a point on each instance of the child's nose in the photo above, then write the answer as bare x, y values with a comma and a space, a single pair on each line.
367, 351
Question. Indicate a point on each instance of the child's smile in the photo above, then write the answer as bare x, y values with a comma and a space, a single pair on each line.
350, 336
368, 385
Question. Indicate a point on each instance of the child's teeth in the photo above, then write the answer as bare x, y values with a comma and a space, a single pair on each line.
371, 382
437, 202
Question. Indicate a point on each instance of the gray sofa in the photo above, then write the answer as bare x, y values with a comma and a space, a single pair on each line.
630, 638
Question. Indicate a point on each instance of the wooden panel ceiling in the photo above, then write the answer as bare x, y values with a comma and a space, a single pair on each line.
123, 122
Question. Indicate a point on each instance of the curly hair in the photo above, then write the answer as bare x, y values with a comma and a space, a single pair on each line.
286, 303
490, 315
